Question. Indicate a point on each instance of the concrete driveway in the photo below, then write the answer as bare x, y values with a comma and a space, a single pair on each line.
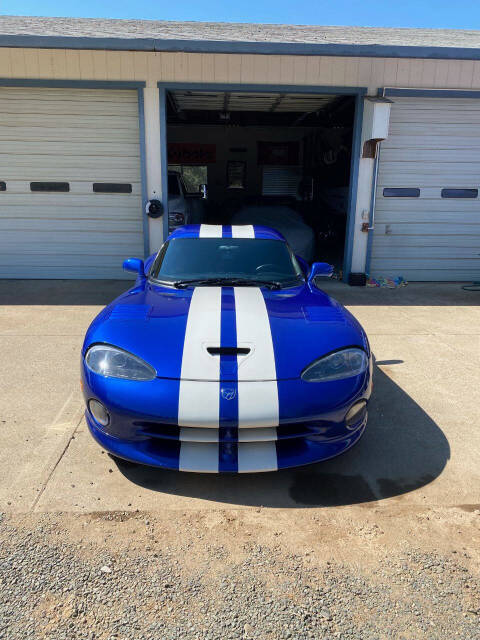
422, 445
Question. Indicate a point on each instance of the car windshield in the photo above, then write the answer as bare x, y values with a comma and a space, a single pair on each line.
184, 261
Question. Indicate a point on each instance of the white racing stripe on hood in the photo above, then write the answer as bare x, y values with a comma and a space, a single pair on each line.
210, 231
199, 397
257, 385
243, 231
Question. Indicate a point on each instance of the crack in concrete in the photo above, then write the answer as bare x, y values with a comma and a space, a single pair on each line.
57, 462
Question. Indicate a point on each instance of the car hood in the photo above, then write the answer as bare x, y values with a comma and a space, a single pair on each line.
176, 330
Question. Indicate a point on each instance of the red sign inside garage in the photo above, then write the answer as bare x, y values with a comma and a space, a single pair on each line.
191, 153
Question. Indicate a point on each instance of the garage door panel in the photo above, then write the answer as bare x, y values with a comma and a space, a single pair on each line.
69, 212
72, 260
68, 174
436, 275
432, 156
31, 239
432, 102
430, 253
436, 110
57, 224
433, 129
413, 216
79, 243
74, 148
79, 137
430, 204
389, 242
54, 134
71, 107
71, 161
420, 230
403, 174
408, 166
398, 264
442, 142
87, 272
78, 191
83, 123
68, 95
427, 117
83, 197
434, 145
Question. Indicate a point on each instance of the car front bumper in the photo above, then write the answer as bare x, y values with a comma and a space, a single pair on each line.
143, 426
216, 457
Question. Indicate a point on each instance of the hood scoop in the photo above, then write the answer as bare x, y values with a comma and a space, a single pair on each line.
228, 351
229, 359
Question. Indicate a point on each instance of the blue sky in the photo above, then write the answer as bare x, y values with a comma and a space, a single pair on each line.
462, 14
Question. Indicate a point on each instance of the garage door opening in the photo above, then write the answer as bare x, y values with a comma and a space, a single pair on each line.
277, 159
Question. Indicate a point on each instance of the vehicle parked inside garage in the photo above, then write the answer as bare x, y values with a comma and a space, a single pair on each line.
184, 206
284, 218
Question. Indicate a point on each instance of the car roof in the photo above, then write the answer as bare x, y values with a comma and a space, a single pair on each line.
193, 231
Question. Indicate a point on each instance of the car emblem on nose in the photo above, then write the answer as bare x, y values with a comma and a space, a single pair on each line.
229, 394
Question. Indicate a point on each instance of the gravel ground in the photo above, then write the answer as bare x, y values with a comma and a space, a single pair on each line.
59, 582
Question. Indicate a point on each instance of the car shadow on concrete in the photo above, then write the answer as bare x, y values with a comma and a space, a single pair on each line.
402, 450
62, 292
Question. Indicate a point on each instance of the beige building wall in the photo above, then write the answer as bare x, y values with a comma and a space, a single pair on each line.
153, 67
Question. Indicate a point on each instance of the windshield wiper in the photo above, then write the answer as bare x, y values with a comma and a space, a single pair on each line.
232, 282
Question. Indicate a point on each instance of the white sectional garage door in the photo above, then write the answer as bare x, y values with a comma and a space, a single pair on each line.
433, 146
61, 139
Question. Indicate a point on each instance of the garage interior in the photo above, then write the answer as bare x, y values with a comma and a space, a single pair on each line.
279, 159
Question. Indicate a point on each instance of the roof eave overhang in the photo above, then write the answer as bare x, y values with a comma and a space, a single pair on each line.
229, 46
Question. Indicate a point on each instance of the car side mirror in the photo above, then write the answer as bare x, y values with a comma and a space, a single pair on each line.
319, 269
135, 265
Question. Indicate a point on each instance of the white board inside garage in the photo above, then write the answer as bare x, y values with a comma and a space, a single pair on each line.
55, 145
427, 213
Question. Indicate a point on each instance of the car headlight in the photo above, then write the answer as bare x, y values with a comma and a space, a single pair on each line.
113, 362
345, 363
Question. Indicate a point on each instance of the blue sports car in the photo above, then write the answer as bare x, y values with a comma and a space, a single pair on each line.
226, 357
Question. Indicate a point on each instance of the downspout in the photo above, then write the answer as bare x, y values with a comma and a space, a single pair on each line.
371, 216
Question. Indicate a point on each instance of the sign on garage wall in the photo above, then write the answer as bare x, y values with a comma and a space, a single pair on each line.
191, 153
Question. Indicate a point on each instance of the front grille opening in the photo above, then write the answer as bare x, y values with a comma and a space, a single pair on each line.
228, 351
